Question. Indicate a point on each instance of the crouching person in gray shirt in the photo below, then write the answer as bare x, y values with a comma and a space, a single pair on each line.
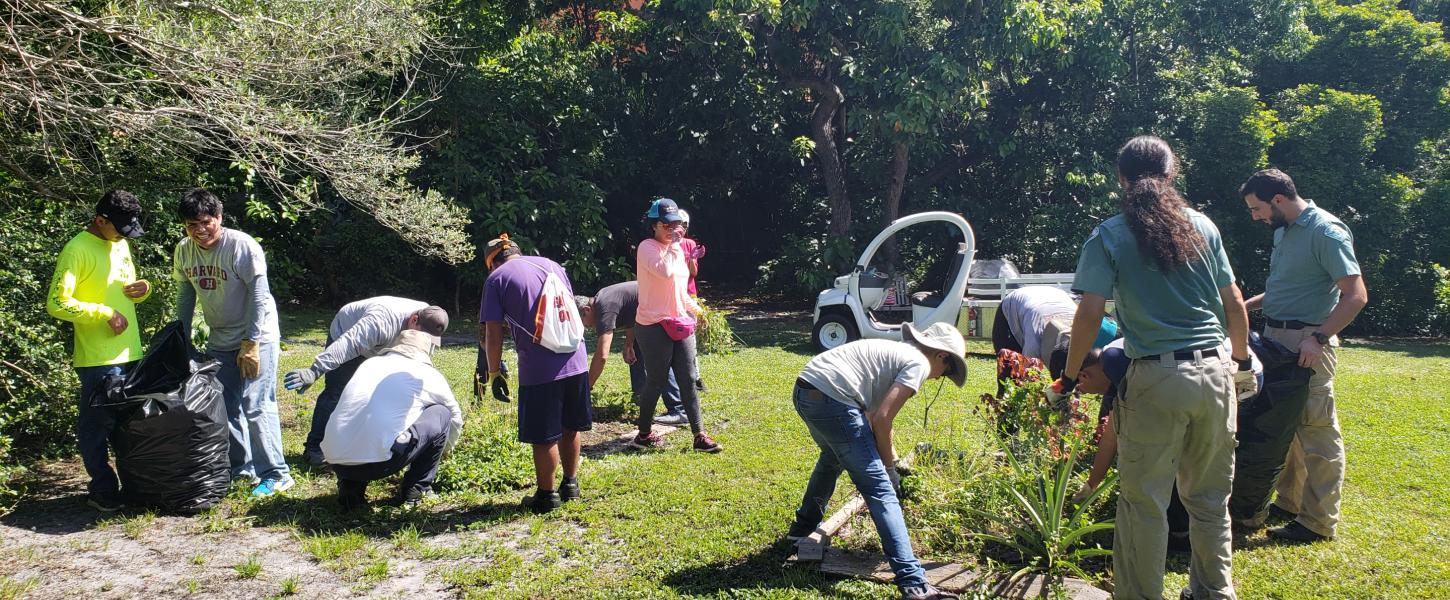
848, 398
397, 412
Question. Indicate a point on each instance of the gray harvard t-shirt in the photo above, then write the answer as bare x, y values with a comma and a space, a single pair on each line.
229, 282
861, 372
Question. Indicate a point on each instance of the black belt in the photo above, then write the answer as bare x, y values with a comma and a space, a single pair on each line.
810, 390
1290, 324
1209, 352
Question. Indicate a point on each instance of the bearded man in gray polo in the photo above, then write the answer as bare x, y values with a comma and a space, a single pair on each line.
1313, 292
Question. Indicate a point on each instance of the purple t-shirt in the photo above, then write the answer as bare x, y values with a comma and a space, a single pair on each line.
512, 290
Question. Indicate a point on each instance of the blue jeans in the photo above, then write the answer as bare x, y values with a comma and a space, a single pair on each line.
94, 426
252, 422
637, 381
847, 443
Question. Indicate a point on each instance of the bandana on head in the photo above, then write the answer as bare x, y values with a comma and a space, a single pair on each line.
495, 247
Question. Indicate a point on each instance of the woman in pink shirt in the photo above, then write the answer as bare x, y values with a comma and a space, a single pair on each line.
665, 323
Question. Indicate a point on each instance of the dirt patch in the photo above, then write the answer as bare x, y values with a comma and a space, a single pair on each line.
64, 549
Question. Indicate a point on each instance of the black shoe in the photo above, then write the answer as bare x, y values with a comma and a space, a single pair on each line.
799, 532
1296, 533
1185, 593
1179, 542
415, 495
699, 385
105, 503
542, 502
568, 490
1280, 515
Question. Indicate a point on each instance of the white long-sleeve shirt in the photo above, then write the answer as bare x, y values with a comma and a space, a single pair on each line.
382, 401
364, 328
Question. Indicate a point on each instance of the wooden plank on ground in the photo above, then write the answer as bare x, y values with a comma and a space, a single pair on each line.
951, 577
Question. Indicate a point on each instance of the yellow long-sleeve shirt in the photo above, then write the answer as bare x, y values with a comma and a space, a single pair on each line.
87, 289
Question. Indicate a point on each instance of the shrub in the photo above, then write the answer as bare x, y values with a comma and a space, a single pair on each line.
713, 334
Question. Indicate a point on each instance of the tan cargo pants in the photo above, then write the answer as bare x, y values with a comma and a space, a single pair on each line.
1175, 421
1314, 472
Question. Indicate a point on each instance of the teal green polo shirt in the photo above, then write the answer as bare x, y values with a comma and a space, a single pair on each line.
1159, 311
1310, 255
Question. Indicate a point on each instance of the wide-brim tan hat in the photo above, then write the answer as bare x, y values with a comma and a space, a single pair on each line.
415, 344
944, 337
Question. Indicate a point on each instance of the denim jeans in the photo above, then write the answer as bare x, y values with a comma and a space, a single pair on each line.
252, 421
94, 426
847, 443
334, 382
637, 381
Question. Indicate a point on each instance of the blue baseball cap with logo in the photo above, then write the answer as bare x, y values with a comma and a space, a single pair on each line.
665, 210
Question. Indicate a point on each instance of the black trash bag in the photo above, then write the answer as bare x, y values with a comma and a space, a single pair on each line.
1266, 426
171, 438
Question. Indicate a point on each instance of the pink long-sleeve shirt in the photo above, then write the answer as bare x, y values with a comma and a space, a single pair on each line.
663, 281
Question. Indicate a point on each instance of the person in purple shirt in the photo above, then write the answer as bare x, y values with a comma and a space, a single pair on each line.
554, 402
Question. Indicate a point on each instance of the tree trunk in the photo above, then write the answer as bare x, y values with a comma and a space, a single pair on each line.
828, 154
900, 159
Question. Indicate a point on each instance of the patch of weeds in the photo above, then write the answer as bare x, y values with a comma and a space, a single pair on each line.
16, 588
133, 526
488, 457
499, 571
469, 548
250, 568
290, 586
333, 548
218, 520
375, 572
192, 586
136, 526
198, 559
407, 538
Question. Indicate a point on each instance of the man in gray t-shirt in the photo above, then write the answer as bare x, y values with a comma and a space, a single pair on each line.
612, 309
225, 271
848, 398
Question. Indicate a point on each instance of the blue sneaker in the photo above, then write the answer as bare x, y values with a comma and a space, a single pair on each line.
272, 486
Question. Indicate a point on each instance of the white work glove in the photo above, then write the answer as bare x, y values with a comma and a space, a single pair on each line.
299, 379
1060, 391
1246, 385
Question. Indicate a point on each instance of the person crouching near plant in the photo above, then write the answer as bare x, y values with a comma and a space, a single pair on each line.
396, 412
848, 397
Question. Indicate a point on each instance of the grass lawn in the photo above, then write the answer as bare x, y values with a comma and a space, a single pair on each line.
679, 524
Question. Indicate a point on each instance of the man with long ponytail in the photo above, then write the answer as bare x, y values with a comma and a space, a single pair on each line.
1164, 265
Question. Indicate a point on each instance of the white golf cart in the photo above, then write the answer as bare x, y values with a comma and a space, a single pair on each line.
870, 303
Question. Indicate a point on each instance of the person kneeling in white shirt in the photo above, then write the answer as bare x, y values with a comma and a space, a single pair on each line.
397, 411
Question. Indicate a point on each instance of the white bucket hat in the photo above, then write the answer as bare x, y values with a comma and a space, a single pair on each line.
944, 337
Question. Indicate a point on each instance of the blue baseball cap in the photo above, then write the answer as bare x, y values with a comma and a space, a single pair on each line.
665, 210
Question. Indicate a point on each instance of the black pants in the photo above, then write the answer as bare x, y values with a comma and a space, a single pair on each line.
1002, 339
335, 380
423, 451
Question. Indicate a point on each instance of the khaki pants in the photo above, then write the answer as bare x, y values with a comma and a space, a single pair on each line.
1314, 471
1175, 421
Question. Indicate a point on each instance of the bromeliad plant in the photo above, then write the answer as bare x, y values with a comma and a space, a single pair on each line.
1049, 533
1042, 442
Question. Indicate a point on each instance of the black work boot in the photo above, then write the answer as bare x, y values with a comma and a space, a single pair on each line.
569, 489
542, 501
